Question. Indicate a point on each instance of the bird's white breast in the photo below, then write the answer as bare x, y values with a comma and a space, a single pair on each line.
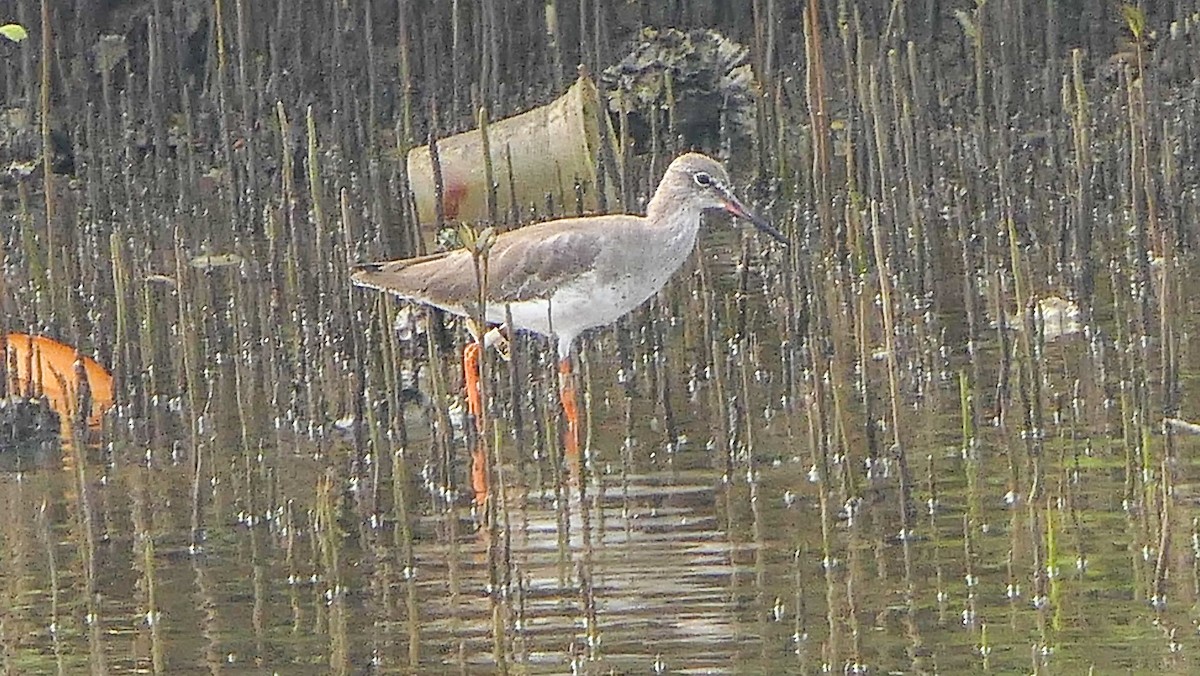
628, 275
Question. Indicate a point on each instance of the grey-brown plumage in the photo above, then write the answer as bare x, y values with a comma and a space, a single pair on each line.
562, 277
520, 268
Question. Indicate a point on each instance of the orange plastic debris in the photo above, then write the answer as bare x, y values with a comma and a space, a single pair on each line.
53, 366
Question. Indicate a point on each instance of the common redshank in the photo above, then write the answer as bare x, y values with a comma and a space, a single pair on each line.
562, 277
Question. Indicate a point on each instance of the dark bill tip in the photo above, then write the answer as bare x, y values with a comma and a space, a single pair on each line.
734, 207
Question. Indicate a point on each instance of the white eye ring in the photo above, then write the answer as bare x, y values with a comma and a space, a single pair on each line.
702, 179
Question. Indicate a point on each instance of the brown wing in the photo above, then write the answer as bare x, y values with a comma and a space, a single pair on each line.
536, 264
523, 264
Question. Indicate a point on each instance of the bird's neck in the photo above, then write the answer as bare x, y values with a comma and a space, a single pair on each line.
676, 230
663, 212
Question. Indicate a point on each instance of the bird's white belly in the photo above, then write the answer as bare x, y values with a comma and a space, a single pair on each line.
576, 307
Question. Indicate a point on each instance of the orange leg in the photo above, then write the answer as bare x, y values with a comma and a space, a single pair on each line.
479, 468
567, 395
471, 378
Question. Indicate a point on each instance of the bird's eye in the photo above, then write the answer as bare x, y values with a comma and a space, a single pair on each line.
702, 179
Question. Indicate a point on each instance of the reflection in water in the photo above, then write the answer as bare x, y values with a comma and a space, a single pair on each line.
596, 579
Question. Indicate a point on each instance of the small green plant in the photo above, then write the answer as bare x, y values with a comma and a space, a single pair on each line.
13, 31
1135, 21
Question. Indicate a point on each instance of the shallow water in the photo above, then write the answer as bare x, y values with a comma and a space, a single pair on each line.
667, 564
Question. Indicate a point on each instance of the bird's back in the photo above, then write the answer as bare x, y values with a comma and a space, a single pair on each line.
523, 264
